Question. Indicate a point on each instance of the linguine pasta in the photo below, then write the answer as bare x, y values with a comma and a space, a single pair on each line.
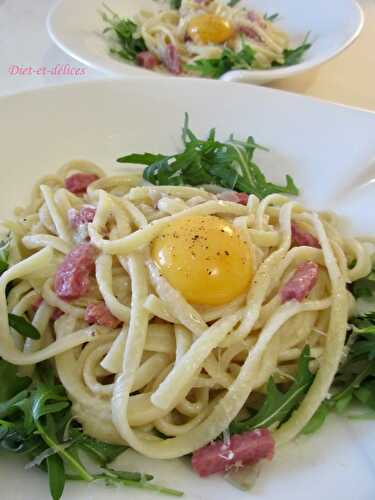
165, 26
166, 366
205, 38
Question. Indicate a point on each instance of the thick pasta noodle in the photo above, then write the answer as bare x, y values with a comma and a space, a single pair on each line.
135, 356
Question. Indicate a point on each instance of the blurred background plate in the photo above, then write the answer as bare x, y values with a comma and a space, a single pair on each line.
76, 27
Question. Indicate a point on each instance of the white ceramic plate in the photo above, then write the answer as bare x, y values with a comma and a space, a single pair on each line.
329, 150
76, 28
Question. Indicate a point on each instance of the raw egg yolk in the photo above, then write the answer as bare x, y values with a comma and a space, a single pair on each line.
204, 258
209, 28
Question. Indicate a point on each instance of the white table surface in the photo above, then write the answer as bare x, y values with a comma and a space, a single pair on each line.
24, 42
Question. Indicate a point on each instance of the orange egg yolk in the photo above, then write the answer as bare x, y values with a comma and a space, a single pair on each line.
204, 258
209, 28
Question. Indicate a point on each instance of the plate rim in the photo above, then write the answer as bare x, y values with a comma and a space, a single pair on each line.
184, 81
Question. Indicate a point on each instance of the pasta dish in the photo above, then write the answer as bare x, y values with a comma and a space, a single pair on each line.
179, 316
203, 38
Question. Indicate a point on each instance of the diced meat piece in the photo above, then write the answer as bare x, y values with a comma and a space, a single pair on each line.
99, 314
253, 16
147, 59
303, 238
78, 183
172, 60
242, 449
37, 303
72, 279
242, 198
57, 313
85, 215
234, 197
301, 283
256, 18
79, 222
249, 32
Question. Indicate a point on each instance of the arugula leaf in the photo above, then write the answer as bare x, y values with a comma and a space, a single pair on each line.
45, 374
366, 394
102, 453
353, 389
56, 476
358, 371
343, 402
355, 380
126, 30
23, 327
34, 418
3, 267
12, 438
364, 287
244, 59
228, 164
364, 329
294, 56
175, 4
233, 3
317, 420
11, 384
141, 159
4, 255
229, 60
363, 323
129, 476
278, 405
135, 480
15, 403
46, 401
5, 428
271, 17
